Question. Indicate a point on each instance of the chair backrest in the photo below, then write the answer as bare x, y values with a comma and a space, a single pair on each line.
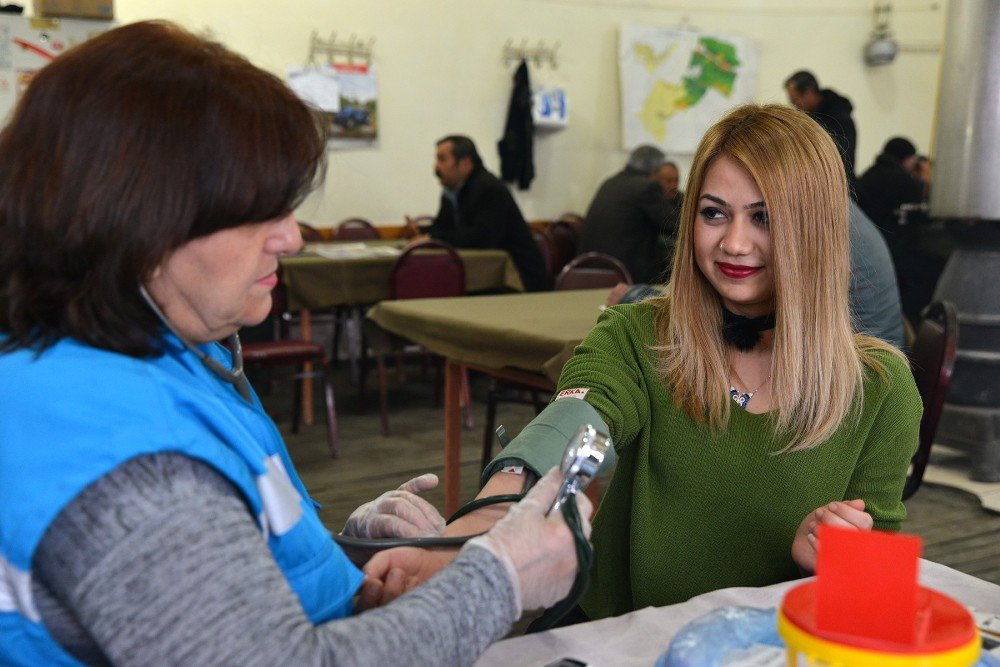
309, 233
427, 269
355, 229
592, 270
421, 221
279, 315
574, 220
932, 360
565, 242
546, 246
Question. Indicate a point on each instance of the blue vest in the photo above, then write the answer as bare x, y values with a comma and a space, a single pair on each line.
74, 413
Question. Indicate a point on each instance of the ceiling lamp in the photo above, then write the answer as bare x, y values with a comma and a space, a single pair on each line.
881, 49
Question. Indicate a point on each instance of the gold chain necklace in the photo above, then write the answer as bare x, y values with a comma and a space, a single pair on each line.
743, 398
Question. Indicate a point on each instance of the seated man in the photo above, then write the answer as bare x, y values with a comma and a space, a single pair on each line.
669, 178
919, 250
628, 217
477, 211
889, 183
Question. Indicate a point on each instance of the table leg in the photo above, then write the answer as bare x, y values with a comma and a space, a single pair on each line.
305, 326
452, 435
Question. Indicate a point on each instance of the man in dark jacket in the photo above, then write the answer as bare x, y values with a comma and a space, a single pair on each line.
831, 110
917, 250
627, 218
889, 183
477, 211
669, 178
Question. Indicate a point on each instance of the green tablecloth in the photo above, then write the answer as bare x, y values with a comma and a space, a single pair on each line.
532, 332
317, 282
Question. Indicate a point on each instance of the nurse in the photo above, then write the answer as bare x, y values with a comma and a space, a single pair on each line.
149, 512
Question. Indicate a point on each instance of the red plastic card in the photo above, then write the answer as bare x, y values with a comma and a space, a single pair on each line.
867, 584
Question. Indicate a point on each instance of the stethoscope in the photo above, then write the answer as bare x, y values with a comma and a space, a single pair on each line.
234, 376
582, 459
581, 462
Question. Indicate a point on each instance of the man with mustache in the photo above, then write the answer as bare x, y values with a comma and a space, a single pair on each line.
477, 211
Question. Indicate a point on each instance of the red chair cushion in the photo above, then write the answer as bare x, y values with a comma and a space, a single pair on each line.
283, 352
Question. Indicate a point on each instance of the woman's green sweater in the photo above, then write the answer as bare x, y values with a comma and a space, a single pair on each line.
687, 511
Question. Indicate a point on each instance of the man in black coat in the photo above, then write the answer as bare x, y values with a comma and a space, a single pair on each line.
918, 250
831, 110
627, 218
889, 183
669, 178
477, 211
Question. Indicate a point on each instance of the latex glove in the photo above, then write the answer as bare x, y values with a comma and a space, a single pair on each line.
398, 513
537, 550
844, 514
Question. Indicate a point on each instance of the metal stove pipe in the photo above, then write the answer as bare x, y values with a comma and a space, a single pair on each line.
965, 194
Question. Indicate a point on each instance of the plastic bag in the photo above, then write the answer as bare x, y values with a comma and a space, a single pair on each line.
708, 639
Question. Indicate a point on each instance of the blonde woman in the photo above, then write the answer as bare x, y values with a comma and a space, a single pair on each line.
743, 409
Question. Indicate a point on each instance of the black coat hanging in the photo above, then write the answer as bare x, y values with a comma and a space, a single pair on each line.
517, 162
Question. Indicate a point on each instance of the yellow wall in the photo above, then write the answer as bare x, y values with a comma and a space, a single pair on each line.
441, 71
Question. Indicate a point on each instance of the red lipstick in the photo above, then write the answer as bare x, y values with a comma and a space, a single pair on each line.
737, 271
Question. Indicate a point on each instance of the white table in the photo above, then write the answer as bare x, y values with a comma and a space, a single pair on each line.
640, 637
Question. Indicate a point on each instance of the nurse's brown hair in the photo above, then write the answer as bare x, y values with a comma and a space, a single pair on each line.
119, 152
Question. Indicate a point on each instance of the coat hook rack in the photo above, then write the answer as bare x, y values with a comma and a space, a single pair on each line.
539, 54
686, 25
331, 51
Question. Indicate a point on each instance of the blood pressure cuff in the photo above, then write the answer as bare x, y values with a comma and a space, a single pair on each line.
542, 442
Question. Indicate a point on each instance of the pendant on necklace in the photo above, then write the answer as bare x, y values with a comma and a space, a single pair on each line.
741, 398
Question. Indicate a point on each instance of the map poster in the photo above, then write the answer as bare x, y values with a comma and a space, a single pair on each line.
675, 83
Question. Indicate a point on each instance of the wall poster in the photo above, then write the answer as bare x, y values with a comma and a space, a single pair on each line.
676, 82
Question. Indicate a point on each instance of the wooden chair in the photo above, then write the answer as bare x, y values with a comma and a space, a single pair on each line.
351, 229
546, 246
592, 270
512, 392
565, 241
587, 271
506, 392
355, 229
574, 220
309, 233
932, 360
421, 222
285, 351
424, 270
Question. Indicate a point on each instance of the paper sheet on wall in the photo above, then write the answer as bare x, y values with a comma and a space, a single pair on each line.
549, 107
28, 44
316, 86
347, 95
675, 83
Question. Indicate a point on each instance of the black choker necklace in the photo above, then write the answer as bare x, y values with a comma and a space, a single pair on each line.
744, 332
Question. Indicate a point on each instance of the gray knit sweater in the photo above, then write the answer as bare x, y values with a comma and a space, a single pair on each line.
160, 562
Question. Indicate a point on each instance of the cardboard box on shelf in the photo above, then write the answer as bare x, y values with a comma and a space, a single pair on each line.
86, 9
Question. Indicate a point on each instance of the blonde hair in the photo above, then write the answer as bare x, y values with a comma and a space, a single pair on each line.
817, 362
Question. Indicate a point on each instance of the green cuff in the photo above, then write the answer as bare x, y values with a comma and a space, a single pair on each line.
541, 444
